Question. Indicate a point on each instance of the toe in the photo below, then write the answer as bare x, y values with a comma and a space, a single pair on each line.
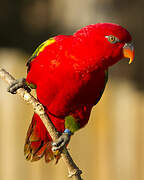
12, 88
57, 142
20, 83
60, 142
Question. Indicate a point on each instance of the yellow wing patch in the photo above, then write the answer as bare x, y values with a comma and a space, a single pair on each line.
39, 49
44, 44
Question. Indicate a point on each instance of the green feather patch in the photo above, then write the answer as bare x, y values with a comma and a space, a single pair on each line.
71, 123
31, 85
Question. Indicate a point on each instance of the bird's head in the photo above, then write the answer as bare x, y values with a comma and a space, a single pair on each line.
107, 42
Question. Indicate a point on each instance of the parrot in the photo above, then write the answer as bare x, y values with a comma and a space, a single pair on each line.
69, 74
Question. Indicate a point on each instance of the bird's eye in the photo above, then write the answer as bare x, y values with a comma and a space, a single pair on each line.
112, 39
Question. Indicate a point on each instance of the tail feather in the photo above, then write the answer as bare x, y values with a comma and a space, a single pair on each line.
38, 142
49, 155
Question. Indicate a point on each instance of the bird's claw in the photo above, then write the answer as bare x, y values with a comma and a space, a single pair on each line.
20, 83
61, 142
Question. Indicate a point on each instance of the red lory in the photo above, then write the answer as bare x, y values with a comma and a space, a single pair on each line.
69, 73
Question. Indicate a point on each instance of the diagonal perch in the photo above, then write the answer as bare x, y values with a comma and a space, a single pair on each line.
73, 170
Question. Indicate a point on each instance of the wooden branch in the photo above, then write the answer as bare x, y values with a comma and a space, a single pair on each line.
73, 169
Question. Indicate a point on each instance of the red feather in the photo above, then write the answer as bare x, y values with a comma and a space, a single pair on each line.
70, 77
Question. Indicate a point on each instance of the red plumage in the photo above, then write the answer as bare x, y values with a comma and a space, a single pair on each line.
70, 77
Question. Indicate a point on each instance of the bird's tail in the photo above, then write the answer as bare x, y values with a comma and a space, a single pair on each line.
38, 142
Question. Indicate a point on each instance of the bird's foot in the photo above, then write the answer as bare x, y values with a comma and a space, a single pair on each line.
20, 83
61, 142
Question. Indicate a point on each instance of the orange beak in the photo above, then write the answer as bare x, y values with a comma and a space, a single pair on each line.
128, 52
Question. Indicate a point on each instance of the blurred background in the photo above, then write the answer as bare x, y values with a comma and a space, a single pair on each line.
111, 146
